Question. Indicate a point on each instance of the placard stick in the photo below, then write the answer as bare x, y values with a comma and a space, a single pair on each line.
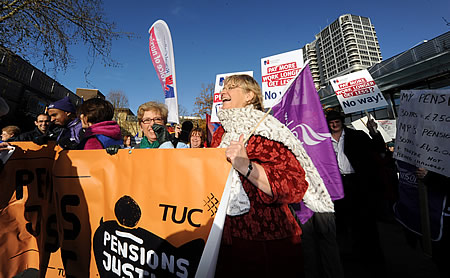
260, 121
424, 218
368, 119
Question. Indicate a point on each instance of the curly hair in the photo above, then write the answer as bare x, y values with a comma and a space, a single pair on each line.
248, 84
155, 106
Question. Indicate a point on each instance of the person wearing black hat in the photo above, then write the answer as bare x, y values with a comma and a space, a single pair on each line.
355, 217
63, 113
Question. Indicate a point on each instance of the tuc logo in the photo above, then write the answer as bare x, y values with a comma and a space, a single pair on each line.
123, 250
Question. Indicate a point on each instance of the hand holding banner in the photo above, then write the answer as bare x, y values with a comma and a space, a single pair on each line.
123, 215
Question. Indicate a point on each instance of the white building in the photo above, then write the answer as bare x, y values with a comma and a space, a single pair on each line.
348, 44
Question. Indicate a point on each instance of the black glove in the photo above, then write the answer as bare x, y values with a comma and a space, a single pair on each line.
112, 150
162, 135
68, 144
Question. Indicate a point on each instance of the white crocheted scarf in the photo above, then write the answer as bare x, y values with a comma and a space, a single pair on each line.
237, 121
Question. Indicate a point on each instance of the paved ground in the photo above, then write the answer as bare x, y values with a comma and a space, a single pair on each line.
401, 259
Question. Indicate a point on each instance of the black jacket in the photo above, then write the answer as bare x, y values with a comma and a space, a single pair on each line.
30, 135
360, 150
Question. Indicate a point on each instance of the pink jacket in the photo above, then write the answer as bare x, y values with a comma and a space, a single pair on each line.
107, 128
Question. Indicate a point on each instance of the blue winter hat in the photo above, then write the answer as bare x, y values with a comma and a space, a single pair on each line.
63, 104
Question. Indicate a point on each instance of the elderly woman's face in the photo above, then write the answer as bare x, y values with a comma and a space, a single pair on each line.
151, 117
6, 135
235, 97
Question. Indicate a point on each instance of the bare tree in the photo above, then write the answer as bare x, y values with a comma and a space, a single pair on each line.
182, 111
118, 99
203, 103
44, 30
446, 22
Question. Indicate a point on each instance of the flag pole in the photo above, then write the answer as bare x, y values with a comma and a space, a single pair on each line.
260, 121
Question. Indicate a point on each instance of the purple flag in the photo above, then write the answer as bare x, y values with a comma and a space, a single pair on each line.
300, 110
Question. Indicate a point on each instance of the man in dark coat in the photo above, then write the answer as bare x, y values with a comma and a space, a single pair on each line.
357, 231
42, 125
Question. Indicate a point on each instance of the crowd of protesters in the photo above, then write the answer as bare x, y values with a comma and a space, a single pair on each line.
91, 126
262, 236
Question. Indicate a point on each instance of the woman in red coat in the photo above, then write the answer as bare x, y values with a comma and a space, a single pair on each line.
261, 237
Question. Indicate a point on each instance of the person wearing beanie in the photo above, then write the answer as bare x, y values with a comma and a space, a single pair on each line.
63, 114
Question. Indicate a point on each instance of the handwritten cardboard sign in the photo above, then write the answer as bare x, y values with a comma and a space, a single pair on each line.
423, 130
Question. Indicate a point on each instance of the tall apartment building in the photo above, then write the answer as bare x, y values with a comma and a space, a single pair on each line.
347, 45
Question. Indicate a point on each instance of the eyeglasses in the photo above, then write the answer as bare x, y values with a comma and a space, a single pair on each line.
46, 121
230, 87
154, 120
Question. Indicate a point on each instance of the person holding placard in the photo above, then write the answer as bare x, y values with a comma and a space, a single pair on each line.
356, 227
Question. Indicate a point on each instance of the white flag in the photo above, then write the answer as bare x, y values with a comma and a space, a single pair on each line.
161, 53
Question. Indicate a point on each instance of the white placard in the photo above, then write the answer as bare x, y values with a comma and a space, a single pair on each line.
390, 126
360, 124
357, 91
423, 130
6, 154
217, 100
276, 72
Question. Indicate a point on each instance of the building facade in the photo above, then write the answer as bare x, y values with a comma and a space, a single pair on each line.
347, 45
127, 121
27, 90
423, 66
86, 94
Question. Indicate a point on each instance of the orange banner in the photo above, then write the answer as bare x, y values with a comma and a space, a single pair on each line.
139, 213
